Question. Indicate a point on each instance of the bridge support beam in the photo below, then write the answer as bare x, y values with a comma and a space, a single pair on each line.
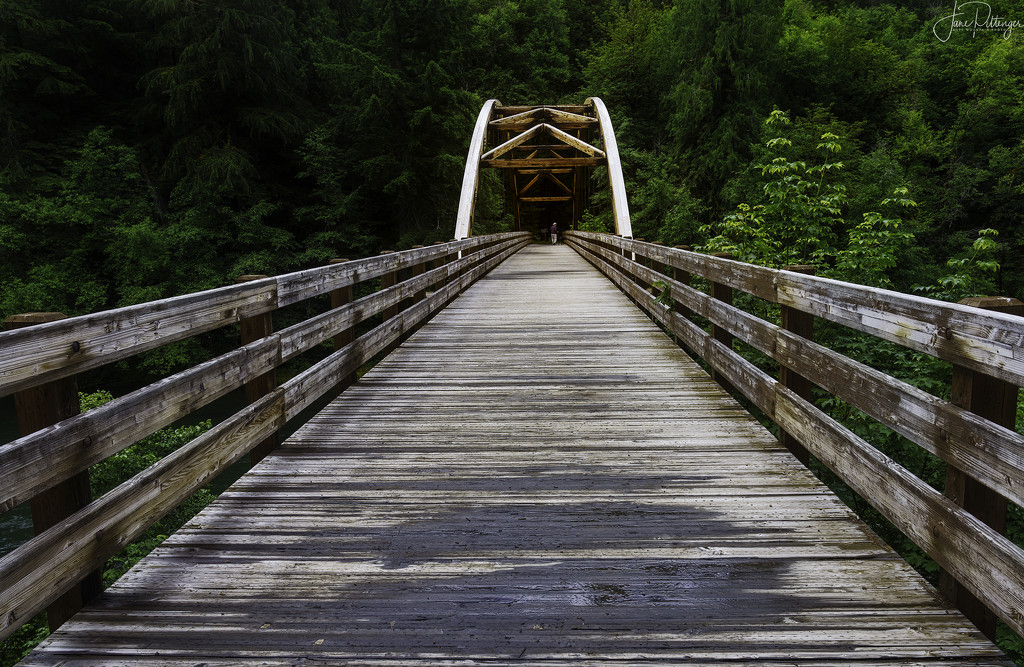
620, 208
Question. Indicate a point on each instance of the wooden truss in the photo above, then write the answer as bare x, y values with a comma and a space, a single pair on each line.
548, 154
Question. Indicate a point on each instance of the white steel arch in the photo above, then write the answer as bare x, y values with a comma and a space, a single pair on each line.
620, 209
533, 120
471, 177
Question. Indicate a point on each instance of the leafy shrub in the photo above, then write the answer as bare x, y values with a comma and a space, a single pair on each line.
103, 477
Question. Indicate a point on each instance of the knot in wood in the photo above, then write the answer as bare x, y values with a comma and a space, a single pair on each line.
76, 347
946, 332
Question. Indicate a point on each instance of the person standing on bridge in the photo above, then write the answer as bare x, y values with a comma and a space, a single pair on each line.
554, 233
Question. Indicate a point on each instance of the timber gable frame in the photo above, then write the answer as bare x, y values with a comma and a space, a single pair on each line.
548, 154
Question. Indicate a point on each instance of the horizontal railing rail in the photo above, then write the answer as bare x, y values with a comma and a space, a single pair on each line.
984, 449
44, 568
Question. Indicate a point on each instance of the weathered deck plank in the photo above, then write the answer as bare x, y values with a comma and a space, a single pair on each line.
538, 476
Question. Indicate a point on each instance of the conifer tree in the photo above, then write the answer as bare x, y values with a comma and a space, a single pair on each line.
723, 56
229, 91
39, 84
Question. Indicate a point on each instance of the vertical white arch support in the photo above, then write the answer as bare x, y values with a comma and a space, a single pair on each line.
471, 177
620, 209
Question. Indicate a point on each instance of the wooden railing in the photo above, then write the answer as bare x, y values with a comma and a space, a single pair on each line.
973, 433
57, 450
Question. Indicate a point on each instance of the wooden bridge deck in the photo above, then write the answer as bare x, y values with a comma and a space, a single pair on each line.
539, 476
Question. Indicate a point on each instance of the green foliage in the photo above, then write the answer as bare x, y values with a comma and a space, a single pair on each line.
799, 217
135, 458
723, 60
89, 245
36, 76
388, 162
972, 272
129, 462
24, 639
247, 136
803, 215
103, 477
231, 84
856, 61
1011, 643
521, 49
624, 68
874, 247
661, 204
592, 223
662, 296
94, 399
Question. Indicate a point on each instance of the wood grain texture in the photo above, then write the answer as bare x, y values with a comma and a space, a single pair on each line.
43, 568
42, 459
46, 352
544, 162
537, 476
985, 341
986, 563
46, 457
988, 451
32, 356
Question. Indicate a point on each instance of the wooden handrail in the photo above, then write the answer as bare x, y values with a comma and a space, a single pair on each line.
31, 356
40, 570
983, 340
986, 563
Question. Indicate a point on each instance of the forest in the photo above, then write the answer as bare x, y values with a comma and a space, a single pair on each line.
150, 148
156, 147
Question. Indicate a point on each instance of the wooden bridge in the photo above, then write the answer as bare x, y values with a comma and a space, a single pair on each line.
537, 472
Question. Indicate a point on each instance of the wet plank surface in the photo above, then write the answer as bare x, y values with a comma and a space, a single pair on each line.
539, 476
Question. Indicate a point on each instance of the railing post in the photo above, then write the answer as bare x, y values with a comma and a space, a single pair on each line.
438, 263
417, 270
681, 276
801, 324
253, 329
663, 268
389, 279
341, 297
642, 260
638, 255
996, 401
723, 293
453, 257
37, 408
